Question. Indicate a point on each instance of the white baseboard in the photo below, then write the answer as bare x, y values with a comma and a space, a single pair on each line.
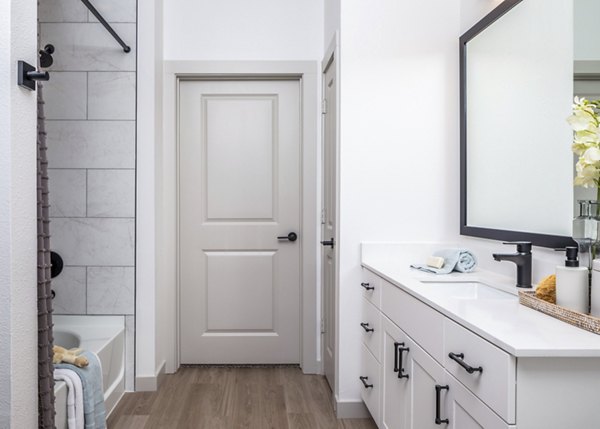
351, 409
150, 383
160, 376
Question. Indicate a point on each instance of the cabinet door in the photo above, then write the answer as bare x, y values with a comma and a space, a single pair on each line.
424, 375
466, 411
396, 383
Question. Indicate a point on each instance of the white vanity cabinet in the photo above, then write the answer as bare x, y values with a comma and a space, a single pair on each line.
410, 398
477, 361
410, 382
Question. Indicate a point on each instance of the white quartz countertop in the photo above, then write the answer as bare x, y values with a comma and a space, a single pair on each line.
517, 329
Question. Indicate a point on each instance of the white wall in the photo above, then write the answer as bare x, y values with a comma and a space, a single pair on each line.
586, 30
331, 20
243, 30
399, 140
18, 229
151, 305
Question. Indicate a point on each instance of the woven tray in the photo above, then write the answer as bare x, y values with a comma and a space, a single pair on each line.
583, 321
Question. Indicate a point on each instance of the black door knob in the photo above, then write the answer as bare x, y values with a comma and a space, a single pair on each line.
292, 236
328, 242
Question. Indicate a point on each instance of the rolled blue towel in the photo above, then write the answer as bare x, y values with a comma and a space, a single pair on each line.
94, 411
460, 260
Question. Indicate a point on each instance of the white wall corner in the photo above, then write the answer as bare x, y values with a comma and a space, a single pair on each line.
351, 409
151, 383
18, 228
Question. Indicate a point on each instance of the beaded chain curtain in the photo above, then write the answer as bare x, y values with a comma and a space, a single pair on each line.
45, 336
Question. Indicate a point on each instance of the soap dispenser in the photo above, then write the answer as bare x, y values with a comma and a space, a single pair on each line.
572, 283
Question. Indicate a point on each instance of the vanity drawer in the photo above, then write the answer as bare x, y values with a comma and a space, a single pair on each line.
421, 322
371, 287
495, 384
370, 376
371, 319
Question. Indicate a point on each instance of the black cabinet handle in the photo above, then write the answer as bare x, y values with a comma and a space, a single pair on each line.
364, 382
367, 286
400, 349
366, 327
292, 236
438, 394
459, 359
396, 353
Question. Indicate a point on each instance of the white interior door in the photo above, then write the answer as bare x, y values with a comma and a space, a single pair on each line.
239, 190
329, 220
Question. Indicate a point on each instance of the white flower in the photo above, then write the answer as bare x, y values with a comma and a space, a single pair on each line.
587, 137
587, 175
592, 155
581, 120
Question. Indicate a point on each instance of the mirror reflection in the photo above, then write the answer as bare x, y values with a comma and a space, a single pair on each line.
520, 74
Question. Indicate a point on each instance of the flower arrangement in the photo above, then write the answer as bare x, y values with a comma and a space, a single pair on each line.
585, 122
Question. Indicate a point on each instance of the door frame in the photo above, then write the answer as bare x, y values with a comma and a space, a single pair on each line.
331, 54
308, 74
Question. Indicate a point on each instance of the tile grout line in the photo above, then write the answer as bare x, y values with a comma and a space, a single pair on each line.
86, 290
90, 217
86, 191
87, 95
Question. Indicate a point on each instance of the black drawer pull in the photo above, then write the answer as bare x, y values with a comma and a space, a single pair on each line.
459, 359
438, 394
364, 382
366, 327
367, 286
400, 349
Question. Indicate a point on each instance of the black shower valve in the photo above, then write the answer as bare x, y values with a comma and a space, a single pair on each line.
46, 59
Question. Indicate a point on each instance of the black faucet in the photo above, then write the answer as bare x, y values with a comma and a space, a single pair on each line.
523, 260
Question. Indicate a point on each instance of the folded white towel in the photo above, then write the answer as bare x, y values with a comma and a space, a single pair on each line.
94, 411
74, 397
460, 260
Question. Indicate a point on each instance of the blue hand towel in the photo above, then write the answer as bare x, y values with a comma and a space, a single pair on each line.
460, 260
94, 411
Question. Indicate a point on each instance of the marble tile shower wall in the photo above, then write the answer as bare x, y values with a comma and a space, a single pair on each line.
91, 111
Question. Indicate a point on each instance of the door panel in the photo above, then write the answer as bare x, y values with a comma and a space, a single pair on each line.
234, 306
396, 390
239, 189
329, 222
240, 177
424, 373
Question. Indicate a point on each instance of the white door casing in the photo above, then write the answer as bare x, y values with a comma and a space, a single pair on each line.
239, 189
329, 220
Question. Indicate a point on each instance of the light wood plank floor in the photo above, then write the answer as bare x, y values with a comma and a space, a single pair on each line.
234, 398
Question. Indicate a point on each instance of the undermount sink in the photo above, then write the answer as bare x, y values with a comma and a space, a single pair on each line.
468, 290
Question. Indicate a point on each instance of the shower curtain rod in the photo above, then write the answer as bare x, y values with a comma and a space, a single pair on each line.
106, 25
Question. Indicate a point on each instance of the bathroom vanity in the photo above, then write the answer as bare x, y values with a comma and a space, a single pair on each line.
459, 351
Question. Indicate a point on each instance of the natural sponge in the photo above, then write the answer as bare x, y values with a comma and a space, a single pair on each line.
546, 289
69, 356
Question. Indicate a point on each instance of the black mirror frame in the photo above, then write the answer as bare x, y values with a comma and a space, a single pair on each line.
543, 240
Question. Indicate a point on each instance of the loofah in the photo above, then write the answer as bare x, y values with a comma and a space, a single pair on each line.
546, 289
69, 356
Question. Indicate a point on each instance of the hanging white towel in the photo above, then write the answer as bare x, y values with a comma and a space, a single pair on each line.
74, 397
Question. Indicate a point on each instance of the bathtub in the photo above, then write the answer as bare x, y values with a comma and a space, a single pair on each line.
104, 335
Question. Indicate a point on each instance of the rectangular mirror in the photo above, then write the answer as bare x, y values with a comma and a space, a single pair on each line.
517, 73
